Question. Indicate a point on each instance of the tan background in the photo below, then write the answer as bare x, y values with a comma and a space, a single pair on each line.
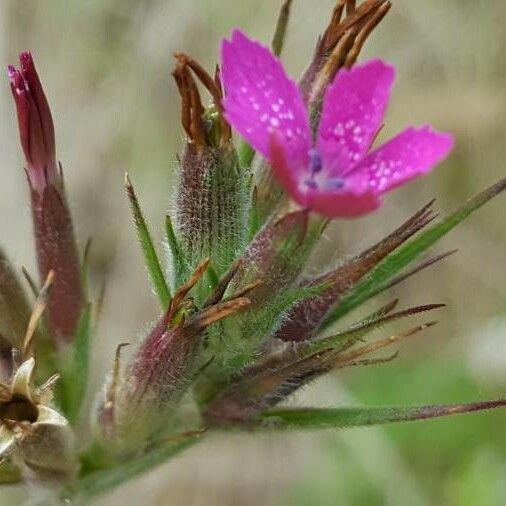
106, 67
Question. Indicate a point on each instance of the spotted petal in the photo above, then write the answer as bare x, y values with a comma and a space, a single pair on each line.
260, 99
286, 173
353, 110
410, 154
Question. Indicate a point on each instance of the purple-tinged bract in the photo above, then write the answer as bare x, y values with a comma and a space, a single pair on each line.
338, 175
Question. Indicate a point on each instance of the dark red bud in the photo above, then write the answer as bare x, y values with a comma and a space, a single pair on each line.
36, 129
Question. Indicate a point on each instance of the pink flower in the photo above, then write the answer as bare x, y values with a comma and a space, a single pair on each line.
336, 174
36, 128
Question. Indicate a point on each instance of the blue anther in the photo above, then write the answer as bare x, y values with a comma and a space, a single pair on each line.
315, 161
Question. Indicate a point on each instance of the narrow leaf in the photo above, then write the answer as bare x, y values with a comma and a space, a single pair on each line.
179, 263
72, 386
429, 262
150, 256
246, 154
341, 418
281, 26
404, 255
348, 337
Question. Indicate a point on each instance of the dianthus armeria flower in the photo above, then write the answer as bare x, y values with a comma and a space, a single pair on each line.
333, 170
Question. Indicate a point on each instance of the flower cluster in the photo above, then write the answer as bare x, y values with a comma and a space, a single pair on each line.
244, 321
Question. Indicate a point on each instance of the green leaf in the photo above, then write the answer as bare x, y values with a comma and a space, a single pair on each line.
281, 26
101, 481
342, 418
404, 255
75, 370
246, 154
180, 270
150, 256
212, 277
85, 265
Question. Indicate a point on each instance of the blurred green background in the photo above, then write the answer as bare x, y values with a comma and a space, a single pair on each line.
106, 68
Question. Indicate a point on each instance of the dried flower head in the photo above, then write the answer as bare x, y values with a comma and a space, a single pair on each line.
33, 435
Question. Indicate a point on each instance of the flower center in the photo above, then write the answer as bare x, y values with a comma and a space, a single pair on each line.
19, 409
334, 183
317, 180
315, 161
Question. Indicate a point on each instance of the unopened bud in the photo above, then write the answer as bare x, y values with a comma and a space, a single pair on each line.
54, 236
35, 122
139, 407
211, 202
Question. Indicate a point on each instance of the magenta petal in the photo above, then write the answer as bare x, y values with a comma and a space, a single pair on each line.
260, 99
342, 203
286, 175
353, 110
348, 202
408, 155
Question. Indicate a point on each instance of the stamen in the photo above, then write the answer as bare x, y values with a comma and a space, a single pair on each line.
334, 183
315, 161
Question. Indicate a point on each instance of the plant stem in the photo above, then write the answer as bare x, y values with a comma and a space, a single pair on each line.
82, 490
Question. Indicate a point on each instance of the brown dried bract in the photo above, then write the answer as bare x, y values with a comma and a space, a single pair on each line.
192, 110
341, 43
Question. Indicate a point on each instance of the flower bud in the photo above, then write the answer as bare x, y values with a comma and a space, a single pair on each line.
267, 270
141, 406
211, 202
273, 256
36, 129
54, 235
57, 251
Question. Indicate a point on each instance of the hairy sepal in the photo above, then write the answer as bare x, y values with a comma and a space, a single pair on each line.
211, 209
273, 260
